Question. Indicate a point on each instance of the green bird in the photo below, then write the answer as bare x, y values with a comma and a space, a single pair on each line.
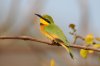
53, 32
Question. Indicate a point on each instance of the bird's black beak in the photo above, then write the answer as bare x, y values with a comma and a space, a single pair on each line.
39, 16
42, 18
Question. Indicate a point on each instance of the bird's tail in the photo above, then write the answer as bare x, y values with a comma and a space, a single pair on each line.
68, 49
71, 55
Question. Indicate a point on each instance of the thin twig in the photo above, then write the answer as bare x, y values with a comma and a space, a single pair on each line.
84, 47
77, 36
74, 41
41, 41
80, 37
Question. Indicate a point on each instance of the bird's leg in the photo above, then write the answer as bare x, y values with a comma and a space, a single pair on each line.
55, 43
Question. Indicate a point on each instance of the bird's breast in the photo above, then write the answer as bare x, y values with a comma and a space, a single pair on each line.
42, 28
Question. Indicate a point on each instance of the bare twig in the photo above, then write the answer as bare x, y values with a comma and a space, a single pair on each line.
24, 38
41, 41
74, 41
80, 37
77, 36
84, 47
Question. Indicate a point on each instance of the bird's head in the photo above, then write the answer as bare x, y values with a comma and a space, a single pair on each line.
45, 19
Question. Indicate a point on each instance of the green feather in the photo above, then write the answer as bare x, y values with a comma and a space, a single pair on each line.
55, 30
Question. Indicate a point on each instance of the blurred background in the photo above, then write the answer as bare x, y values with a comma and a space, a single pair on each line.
17, 19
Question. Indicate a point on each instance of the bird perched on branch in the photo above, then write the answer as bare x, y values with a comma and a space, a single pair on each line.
53, 32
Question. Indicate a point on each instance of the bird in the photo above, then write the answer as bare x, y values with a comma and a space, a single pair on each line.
53, 32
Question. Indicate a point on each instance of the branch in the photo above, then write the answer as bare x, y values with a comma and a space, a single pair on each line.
24, 38
41, 41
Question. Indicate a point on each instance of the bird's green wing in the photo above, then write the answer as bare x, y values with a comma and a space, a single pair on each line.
55, 30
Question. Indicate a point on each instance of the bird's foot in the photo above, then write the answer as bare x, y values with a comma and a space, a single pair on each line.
55, 43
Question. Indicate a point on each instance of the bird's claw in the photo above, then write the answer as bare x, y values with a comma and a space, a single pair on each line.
55, 43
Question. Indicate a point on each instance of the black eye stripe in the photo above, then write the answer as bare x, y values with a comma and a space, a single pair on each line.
41, 24
43, 18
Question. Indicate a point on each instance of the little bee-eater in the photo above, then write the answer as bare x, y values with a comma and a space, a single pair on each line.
53, 32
